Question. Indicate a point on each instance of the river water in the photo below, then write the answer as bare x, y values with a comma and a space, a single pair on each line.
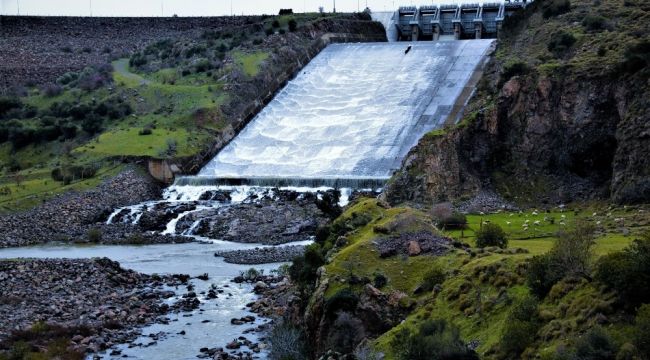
193, 259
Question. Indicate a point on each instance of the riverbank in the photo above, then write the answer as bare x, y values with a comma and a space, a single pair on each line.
94, 302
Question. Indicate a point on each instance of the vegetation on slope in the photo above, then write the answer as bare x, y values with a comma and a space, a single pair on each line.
489, 294
170, 100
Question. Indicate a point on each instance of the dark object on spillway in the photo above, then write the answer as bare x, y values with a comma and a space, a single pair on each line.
407, 50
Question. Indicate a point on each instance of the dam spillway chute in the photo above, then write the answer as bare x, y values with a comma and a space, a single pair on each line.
353, 112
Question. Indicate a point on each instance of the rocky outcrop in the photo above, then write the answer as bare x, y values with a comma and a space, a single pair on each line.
580, 132
70, 216
276, 218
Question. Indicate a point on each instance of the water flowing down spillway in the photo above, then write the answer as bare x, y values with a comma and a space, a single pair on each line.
353, 112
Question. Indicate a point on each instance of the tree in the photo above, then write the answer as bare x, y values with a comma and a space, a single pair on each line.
491, 235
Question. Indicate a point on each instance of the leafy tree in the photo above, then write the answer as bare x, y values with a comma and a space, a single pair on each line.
491, 235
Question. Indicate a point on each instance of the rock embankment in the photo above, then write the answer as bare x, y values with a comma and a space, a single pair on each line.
94, 294
70, 216
262, 255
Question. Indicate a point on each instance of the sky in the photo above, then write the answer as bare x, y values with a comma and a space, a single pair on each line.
191, 7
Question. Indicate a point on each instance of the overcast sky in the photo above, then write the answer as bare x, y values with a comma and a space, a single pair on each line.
190, 7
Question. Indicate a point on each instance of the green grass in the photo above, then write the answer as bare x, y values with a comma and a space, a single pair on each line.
41, 187
128, 142
250, 63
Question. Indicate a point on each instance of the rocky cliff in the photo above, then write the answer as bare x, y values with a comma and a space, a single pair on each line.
560, 115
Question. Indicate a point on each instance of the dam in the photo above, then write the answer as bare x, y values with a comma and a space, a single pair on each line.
353, 112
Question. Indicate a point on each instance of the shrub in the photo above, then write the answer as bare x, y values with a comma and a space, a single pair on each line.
637, 57
596, 344
555, 7
561, 42
570, 255
521, 328
94, 235
379, 281
628, 272
286, 12
202, 65
137, 60
303, 268
92, 124
434, 339
594, 22
51, 90
512, 69
268, 31
642, 329
275, 24
293, 25
343, 300
347, 331
66, 174
145, 131
67, 78
7, 104
287, 342
491, 235
435, 276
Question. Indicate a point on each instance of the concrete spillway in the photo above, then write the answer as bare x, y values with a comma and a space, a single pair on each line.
353, 112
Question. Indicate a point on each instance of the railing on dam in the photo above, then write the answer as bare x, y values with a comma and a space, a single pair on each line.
465, 21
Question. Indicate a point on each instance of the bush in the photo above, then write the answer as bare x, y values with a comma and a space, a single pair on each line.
561, 42
521, 328
434, 339
347, 331
92, 124
594, 22
275, 24
637, 57
491, 235
287, 342
94, 235
293, 25
7, 104
596, 344
67, 174
379, 281
555, 7
539, 277
269, 31
145, 131
343, 300
628, 272
435, 276
67, 78
570, 256
303, 268
512, 69
51, 90
138, 60
642, 330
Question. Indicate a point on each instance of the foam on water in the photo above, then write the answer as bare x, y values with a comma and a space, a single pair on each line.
354, 111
